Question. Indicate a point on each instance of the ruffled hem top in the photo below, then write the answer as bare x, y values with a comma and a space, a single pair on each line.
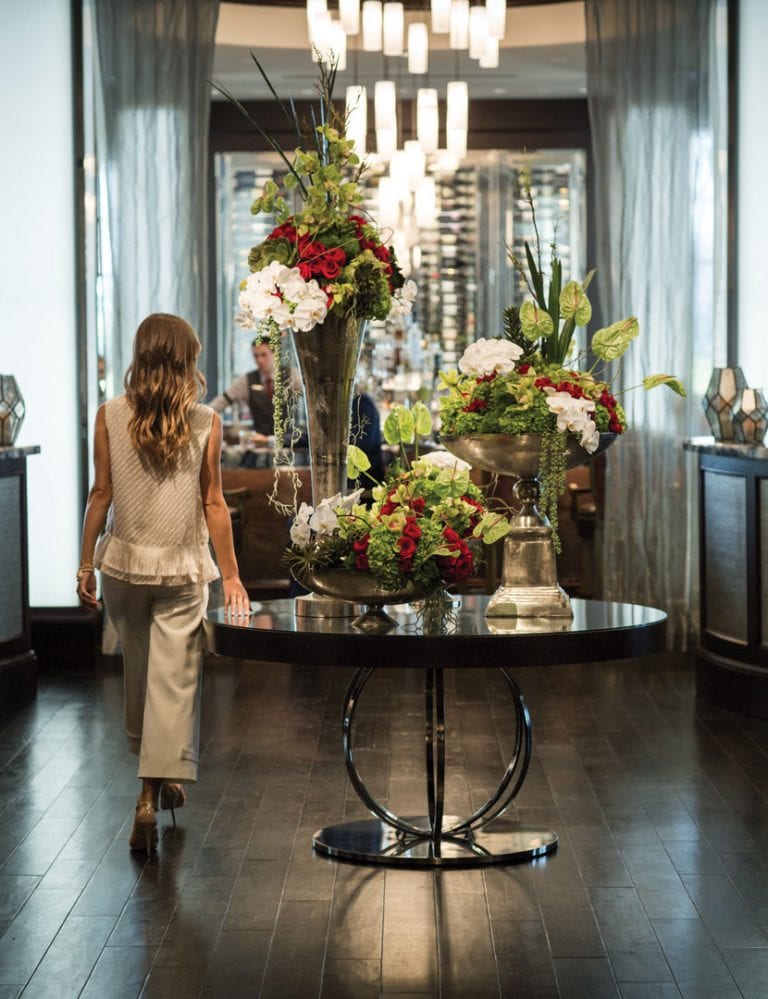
156, 531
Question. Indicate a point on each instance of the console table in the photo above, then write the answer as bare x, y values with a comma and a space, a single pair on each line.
598, 631
732, 654
18, 664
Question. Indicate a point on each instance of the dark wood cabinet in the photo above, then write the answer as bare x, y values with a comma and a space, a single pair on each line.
18, 664
732, 654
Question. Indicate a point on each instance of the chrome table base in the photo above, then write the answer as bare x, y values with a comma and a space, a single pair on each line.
436, 840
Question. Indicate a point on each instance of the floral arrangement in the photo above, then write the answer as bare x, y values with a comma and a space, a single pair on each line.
325, 257
426, 524
528, 382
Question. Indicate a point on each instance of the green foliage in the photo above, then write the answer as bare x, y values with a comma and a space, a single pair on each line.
653, 381
611, 342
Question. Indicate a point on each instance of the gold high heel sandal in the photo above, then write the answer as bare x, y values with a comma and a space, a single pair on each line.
172, 796
144, 833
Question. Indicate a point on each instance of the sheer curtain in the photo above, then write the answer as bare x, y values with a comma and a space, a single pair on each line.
152, 59
656, 96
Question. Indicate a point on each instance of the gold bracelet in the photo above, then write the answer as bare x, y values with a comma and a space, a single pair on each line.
84, 570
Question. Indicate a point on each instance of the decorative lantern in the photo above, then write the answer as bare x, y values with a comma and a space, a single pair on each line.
750, 416
12, 410
724, 386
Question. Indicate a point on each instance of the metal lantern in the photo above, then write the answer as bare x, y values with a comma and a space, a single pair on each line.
724, 385
12, 410
750, 416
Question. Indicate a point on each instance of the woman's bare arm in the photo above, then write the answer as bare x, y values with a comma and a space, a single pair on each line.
99, 499
219, 523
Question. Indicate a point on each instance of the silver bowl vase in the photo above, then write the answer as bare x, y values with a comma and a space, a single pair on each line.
529, 586
358, 587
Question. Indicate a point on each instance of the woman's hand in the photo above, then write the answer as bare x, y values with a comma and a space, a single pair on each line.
237, 603
86, 590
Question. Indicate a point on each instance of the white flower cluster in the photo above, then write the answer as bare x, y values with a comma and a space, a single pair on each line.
322, 521
402, 300
574, 415
483, 357
444, 459
280, 293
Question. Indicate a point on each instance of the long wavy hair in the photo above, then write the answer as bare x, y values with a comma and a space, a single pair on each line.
162, 384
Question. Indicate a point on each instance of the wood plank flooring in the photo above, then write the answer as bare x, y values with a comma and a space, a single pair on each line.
659, 887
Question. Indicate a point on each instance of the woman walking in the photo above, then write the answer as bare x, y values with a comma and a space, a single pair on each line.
157, 481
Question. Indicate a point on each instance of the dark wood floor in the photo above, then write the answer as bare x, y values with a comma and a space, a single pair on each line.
659, 887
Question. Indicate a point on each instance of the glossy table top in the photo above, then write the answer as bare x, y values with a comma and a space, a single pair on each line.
598, 631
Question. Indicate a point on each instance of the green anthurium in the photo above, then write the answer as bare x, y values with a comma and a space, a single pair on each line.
492, 527
574, 304
357, 462
422, 419
611, 342
651, 381
398, 426
535, 322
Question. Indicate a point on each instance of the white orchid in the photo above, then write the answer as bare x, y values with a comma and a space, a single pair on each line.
574, 415
402, 300
281, 294
484, 357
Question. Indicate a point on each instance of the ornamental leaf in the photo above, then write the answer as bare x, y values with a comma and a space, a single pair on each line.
651, 381
357, 461
574, 304
422, 419
492, 527
535, 322
398, 426
611, 342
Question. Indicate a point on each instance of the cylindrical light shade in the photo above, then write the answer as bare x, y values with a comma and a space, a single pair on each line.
386, 142
478, 31
372, 25
427, 119
389, 207
457, 105
490, 55
418, 48
425, 203
459, 24
385, 104
399, 171
456, 142
349, 12
441, 16
497, 17
330, 44
357, 118
317, 27
417, 163
393, 28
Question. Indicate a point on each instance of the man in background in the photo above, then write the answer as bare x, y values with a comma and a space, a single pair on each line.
254, 390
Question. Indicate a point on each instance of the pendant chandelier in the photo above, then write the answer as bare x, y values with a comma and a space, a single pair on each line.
380, 26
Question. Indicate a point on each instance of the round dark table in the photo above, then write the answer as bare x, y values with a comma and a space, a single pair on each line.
462, 638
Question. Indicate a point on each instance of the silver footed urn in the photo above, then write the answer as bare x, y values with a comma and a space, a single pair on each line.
529, 586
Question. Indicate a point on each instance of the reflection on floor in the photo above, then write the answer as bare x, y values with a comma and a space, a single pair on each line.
659, 887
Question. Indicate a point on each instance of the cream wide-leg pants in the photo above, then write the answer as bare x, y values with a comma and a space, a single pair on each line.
161, 635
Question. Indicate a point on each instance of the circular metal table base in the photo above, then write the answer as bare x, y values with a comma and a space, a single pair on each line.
370, 841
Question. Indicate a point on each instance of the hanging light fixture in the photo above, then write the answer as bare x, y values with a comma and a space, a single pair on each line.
385, 110
427, 119
372, 25
489, 58
457, 118
456, 142
417, 163
349, 12
318, 19
389, 206
393, 25
459, 24
478, 31
357, 118
418, 48
330, 44
441, 16
425, 204
497, 17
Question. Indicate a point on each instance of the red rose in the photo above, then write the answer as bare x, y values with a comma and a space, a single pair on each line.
404, 565
614, 426
407, 546
450, 535
286, 231
476, 405
358, 220
412, 530
463, 567
417, 504
361, 544
388, 508
329, 268
381, 253
607, 399
305, 270
361, 562
543, 382
311, 252
487, 378
523, 369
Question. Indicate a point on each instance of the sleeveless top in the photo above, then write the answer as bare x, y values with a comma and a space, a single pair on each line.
156, 531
